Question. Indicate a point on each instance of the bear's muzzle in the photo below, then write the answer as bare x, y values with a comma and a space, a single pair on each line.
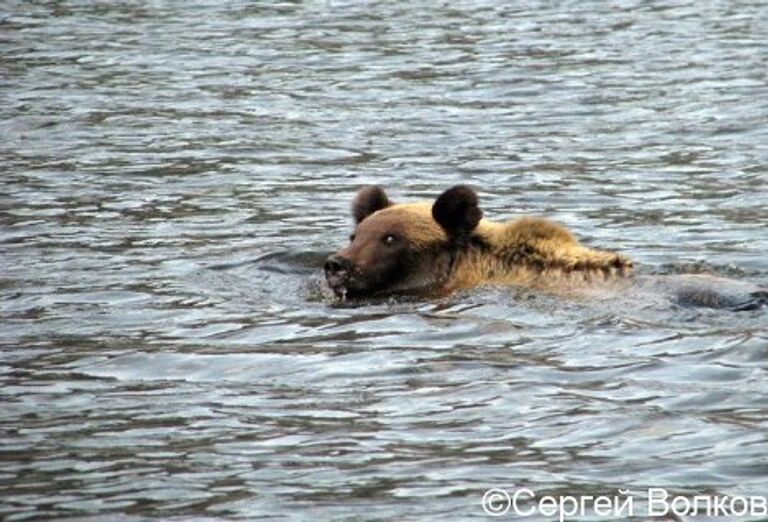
338, 272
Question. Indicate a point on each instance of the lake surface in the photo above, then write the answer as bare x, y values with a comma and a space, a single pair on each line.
173, 175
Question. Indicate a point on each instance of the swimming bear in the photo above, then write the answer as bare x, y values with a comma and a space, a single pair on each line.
433, 249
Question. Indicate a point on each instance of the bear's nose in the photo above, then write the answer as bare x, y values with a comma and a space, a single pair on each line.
337, 266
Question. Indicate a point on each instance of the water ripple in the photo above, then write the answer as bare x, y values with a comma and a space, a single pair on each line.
174, 176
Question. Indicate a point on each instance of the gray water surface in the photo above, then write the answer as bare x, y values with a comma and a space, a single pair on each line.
173, 174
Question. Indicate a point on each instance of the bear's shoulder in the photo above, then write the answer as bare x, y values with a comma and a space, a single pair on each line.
525, 230
546, 245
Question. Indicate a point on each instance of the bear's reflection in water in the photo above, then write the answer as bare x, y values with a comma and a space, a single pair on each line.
433, 249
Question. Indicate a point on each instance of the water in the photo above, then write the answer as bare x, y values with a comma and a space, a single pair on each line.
173, 175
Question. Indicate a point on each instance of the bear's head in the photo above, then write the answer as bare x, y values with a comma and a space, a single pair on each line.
406, 248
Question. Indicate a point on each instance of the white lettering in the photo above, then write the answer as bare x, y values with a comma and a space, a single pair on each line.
628, 503
661, 503
758, 502
652, 501
744, 506
515, 498
701, 499
681, 511
548, 503
718, 506
603, 506
573, 503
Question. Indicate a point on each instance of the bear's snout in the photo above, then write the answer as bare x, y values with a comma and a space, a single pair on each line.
338, 271
337, 265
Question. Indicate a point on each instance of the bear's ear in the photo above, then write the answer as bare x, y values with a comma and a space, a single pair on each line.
457, 212
368, 200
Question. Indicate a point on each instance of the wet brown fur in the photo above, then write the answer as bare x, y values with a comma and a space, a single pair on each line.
434, 248
530, 252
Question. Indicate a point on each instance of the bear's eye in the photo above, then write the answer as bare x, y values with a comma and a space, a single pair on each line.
351, 237
389, 239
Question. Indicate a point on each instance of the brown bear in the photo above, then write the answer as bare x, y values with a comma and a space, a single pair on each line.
434, 249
